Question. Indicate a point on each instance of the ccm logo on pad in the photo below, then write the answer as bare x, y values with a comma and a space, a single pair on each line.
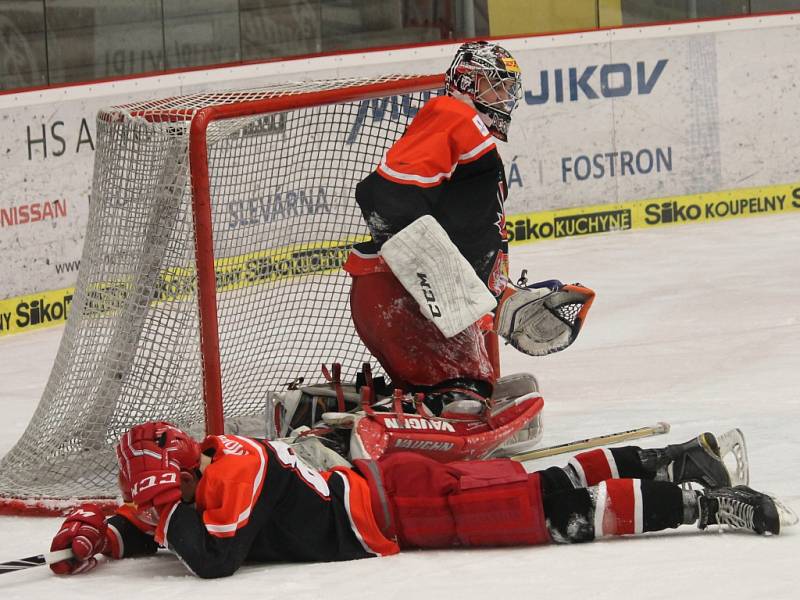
427, 292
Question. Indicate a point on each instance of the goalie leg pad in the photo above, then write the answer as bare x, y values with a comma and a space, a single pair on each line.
514, 386
473, 503
412, 351
507, 389
443, 440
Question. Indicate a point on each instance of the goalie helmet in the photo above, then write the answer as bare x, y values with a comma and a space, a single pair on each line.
489, 76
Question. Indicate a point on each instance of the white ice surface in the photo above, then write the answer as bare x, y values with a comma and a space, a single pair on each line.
695, 325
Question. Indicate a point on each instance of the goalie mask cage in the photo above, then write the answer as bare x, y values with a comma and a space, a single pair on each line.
211, 270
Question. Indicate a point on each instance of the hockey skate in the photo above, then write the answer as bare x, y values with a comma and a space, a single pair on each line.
733, 451
698, 461
702, 460
458, 400
744, 508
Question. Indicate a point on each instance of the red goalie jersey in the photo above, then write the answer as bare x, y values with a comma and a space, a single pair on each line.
446, 165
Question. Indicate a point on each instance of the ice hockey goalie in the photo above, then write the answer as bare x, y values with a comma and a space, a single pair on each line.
425, 288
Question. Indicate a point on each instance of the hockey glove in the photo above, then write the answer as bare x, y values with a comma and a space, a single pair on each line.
84, 532
144, 460
544, 317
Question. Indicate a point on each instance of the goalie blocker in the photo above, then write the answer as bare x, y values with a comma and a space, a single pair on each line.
538, 319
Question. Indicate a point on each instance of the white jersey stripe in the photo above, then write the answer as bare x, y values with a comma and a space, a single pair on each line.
576, 464
353, 525
600, 509
485, 144
118, 536
477, 149
638, 507
415, 178
612, 464
167, 520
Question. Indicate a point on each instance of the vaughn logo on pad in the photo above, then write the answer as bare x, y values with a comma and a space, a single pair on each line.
418, 423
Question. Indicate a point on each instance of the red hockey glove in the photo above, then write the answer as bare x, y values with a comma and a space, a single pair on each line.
145, 463
83, 531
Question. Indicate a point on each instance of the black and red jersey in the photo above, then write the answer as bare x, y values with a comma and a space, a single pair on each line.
258, 502
446, 165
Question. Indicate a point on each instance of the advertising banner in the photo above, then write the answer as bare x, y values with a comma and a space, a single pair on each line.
654, 125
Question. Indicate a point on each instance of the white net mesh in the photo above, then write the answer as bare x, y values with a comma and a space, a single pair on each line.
283, 217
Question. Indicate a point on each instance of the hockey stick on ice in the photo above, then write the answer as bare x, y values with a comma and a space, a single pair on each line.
35, 561
593, 442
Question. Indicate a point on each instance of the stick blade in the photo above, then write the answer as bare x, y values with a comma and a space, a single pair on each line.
22, 563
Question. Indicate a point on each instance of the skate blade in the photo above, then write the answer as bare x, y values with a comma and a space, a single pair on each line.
786, 515
732, 447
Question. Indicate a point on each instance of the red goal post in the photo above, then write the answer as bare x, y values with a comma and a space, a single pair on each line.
198, 160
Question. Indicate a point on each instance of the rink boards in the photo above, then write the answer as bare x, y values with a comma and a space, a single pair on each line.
617, 129
49, 308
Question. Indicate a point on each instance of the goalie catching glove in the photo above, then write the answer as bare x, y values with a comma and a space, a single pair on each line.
544, 317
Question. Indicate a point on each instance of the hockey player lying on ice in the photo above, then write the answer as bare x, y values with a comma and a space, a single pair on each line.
436, 263
233, 499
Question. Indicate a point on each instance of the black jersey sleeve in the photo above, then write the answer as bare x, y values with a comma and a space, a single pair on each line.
207, 556
389, 207
131, 541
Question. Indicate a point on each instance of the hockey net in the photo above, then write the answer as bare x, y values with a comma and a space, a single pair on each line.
210, 273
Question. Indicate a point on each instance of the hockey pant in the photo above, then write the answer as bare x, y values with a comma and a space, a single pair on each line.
426, 504
410, 348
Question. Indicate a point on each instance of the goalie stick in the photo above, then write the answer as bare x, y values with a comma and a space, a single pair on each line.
35, 561
593, 442
732, 448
